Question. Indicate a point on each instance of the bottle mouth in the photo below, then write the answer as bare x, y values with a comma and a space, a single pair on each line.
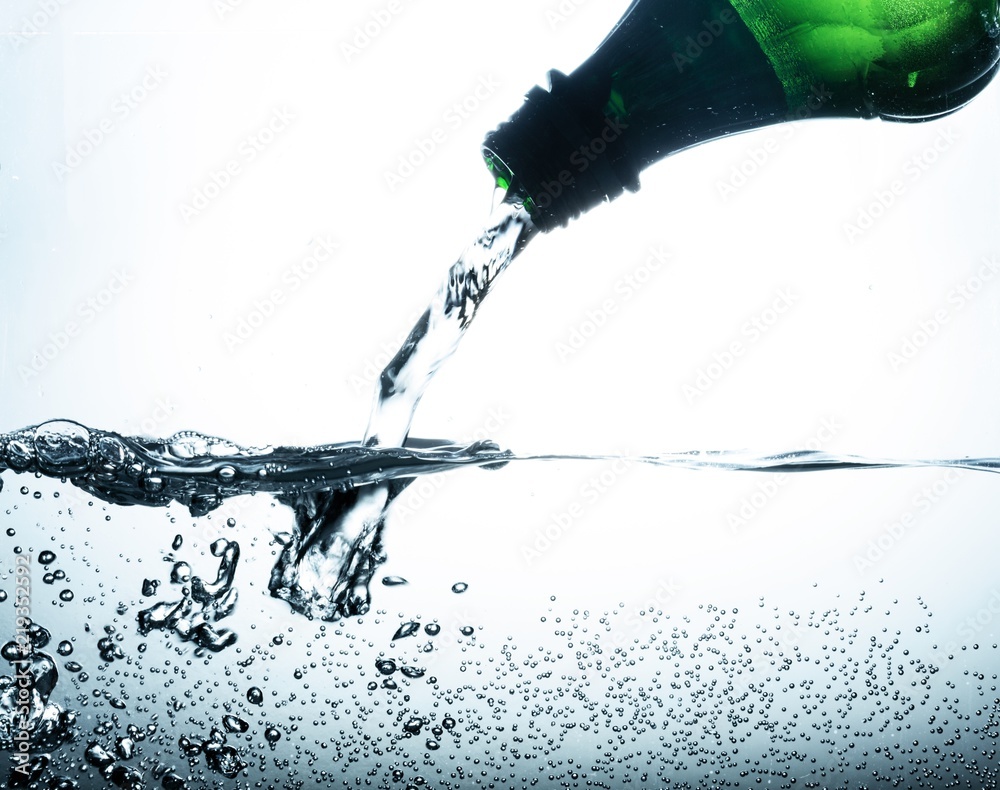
504, 178
545, 155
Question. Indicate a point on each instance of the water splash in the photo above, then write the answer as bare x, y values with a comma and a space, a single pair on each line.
437, 333
202, 603
340, 495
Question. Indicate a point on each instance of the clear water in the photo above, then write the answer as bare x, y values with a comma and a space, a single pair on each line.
186, 668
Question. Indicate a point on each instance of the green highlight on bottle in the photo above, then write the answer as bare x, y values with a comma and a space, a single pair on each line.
904, 59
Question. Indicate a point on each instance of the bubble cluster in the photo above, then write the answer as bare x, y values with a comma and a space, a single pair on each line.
860, 690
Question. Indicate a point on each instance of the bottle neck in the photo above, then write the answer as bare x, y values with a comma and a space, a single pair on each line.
668, 78
675, 74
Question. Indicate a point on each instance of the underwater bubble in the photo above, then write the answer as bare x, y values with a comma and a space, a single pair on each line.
111, 452
394, 581
413, 726
459, 587
172, 781
224, 760
406, 629
234, 724
39, 636
15, 651
385, 666
180, 573
46, 557
255, 696
125, 748
62, 446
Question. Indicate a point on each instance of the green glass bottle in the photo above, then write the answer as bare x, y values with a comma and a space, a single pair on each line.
676, 73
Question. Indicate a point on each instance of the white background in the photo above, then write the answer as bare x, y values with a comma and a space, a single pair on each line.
155, 359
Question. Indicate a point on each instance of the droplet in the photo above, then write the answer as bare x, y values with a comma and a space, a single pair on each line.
413, 672
46, 557
467, 630
66, 595
255, 696
386, 666
272, 735
178, 541
393, 581
459, 587
432, 629
65, 648
406, 629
